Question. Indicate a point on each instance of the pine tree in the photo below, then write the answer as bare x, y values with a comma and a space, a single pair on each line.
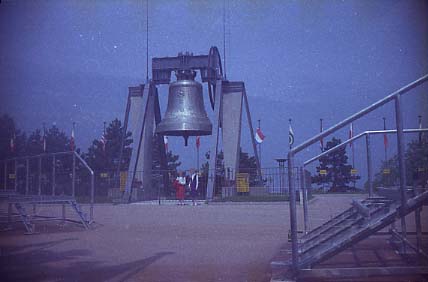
416, 159
102, 157
338, 171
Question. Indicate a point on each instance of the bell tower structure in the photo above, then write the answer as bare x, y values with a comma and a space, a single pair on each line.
185, 116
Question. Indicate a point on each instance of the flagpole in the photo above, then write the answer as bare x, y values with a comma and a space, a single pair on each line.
260, 146
104, 137
386, 148
353, 149
289, 139
197, 152
44, 138
74, 140
321, 141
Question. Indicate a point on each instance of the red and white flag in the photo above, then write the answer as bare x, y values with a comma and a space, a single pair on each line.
165, 142
198, 142
259, 136
351, 133
103, 141
12, 143
385, 138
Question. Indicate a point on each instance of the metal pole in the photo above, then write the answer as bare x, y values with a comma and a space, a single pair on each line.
16, 176
73, 177
384, 143
92, 197
63, 213
260, 146
418, 224
401, 164
27, 176
5, 175
53, 175
369, 165
293, 216
305, 200
40, 176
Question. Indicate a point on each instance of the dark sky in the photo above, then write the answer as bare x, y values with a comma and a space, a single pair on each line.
65, 61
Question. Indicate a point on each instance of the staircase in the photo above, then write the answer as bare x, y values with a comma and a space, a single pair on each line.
360, 221
19, 202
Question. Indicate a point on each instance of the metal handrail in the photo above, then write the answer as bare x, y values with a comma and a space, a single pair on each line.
393, 96
91, 213
74, 154
368, 132
361, 113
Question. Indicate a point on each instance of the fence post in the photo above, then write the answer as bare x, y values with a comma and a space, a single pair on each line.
401, 164
40, 176
305, 199
293, 218
53, 174
5, 175
92, 196
16, 176
27, 175
73, 177
369, 165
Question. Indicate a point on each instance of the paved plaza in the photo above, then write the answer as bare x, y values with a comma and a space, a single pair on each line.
149, 242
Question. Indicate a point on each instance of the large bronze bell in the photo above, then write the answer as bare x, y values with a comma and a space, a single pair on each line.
185, 114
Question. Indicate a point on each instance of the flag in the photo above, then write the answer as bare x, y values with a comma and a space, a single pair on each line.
351, 133
12, 143
72, 139
290, 135
259, 136
165, 142
103, 141
198, 142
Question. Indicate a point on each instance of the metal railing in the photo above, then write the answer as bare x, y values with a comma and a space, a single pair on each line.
58, 179
271, 182
396, 96
369, 160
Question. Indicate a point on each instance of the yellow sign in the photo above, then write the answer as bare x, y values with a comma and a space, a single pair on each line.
354, 171
242, 182
11, 176
123, 176
386, 171
323, 172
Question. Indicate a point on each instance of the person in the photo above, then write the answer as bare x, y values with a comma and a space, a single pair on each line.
179, 185
194, 185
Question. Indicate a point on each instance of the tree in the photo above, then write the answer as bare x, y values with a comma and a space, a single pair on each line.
8, 131
34, 144
56, 140
416, 161
102, 157
171, 159
338, 172
247, 164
